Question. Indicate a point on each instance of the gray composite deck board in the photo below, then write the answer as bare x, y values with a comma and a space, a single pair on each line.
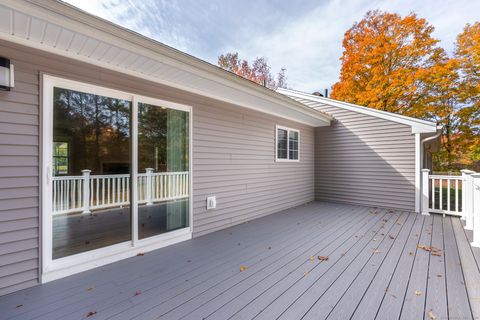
374, 268
469, 267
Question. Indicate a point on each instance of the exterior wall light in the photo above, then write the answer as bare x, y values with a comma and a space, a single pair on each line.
6, 74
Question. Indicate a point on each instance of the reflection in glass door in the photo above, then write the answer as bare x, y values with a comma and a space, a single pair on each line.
91, 172
116, 175
163, 165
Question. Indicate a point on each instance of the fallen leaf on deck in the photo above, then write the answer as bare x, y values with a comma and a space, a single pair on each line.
439, 275
91, 313
322, 258
431, 316
305, 273
312, 258
433, 251
376, 251
19, 306
391, 237
410, 253
243, 268
138, 292
418, 293
140, 254
89, 289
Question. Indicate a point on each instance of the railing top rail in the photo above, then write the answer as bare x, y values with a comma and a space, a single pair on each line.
446, 177
106, 176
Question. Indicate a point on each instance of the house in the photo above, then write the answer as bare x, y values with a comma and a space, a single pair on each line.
112, 145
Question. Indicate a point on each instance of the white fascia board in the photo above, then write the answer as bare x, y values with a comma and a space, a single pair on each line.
73, 19
417, 125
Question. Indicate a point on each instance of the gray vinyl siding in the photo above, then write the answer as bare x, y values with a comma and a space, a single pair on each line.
365, 160
233, 159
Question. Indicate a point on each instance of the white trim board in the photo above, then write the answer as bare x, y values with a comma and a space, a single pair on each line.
418, 125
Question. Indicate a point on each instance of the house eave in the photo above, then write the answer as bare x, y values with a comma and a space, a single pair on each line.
417, 125
59, 28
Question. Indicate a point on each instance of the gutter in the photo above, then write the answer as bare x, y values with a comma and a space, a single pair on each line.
439, 132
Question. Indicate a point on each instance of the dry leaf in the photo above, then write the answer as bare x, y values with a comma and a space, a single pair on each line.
305, 273
431, 316
391, 237
243, 268
91, 313
418, 293
376, 251
312, 258
89, 289
140, 254
410, 253
322, 258
19, 306
433, 251
439, 275
138, 292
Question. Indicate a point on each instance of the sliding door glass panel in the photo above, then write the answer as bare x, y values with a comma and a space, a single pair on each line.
91, 172
163, 179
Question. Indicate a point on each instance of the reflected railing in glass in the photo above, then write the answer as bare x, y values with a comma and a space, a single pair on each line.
86, 193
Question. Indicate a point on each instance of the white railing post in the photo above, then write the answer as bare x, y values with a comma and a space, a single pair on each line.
476, 208
467, 198
86, 190
425, 193
149, 186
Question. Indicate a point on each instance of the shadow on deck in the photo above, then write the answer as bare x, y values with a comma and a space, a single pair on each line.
316, 261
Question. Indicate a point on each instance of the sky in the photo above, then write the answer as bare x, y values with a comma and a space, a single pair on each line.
305, 37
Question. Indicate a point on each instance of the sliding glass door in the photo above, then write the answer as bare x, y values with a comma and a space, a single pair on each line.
91, 171
163, 162
117, 171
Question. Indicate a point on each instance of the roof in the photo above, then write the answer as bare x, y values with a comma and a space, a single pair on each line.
65, 30
418, 125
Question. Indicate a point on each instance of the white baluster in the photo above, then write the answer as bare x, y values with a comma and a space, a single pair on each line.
86, 190
149, 186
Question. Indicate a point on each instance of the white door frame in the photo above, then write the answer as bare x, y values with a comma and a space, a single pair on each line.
58, 268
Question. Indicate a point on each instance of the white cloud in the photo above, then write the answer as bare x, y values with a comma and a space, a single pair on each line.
306, 38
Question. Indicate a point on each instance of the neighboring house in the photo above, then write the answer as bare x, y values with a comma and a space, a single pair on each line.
112, 144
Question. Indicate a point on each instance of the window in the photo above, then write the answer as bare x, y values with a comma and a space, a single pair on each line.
60, 158
287, 144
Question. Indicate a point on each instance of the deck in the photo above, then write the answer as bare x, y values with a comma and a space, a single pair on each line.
317, 261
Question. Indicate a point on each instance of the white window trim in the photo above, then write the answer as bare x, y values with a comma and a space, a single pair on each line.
62, 267
288, 144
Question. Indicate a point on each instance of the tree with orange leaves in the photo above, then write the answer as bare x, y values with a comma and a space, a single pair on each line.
467, 53
384, 63
258, 72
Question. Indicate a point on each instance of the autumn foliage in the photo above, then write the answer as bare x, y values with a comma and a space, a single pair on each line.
394, 63
259, 71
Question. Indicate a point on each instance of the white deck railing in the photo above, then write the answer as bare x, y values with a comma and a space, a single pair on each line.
92, 192
454, 195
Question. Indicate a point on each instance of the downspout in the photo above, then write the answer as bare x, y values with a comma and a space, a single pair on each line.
418, 204
422, 143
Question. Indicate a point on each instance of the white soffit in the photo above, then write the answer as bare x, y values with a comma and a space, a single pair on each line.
314, 102
58, 28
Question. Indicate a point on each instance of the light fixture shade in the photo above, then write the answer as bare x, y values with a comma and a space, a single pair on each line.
6, 74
